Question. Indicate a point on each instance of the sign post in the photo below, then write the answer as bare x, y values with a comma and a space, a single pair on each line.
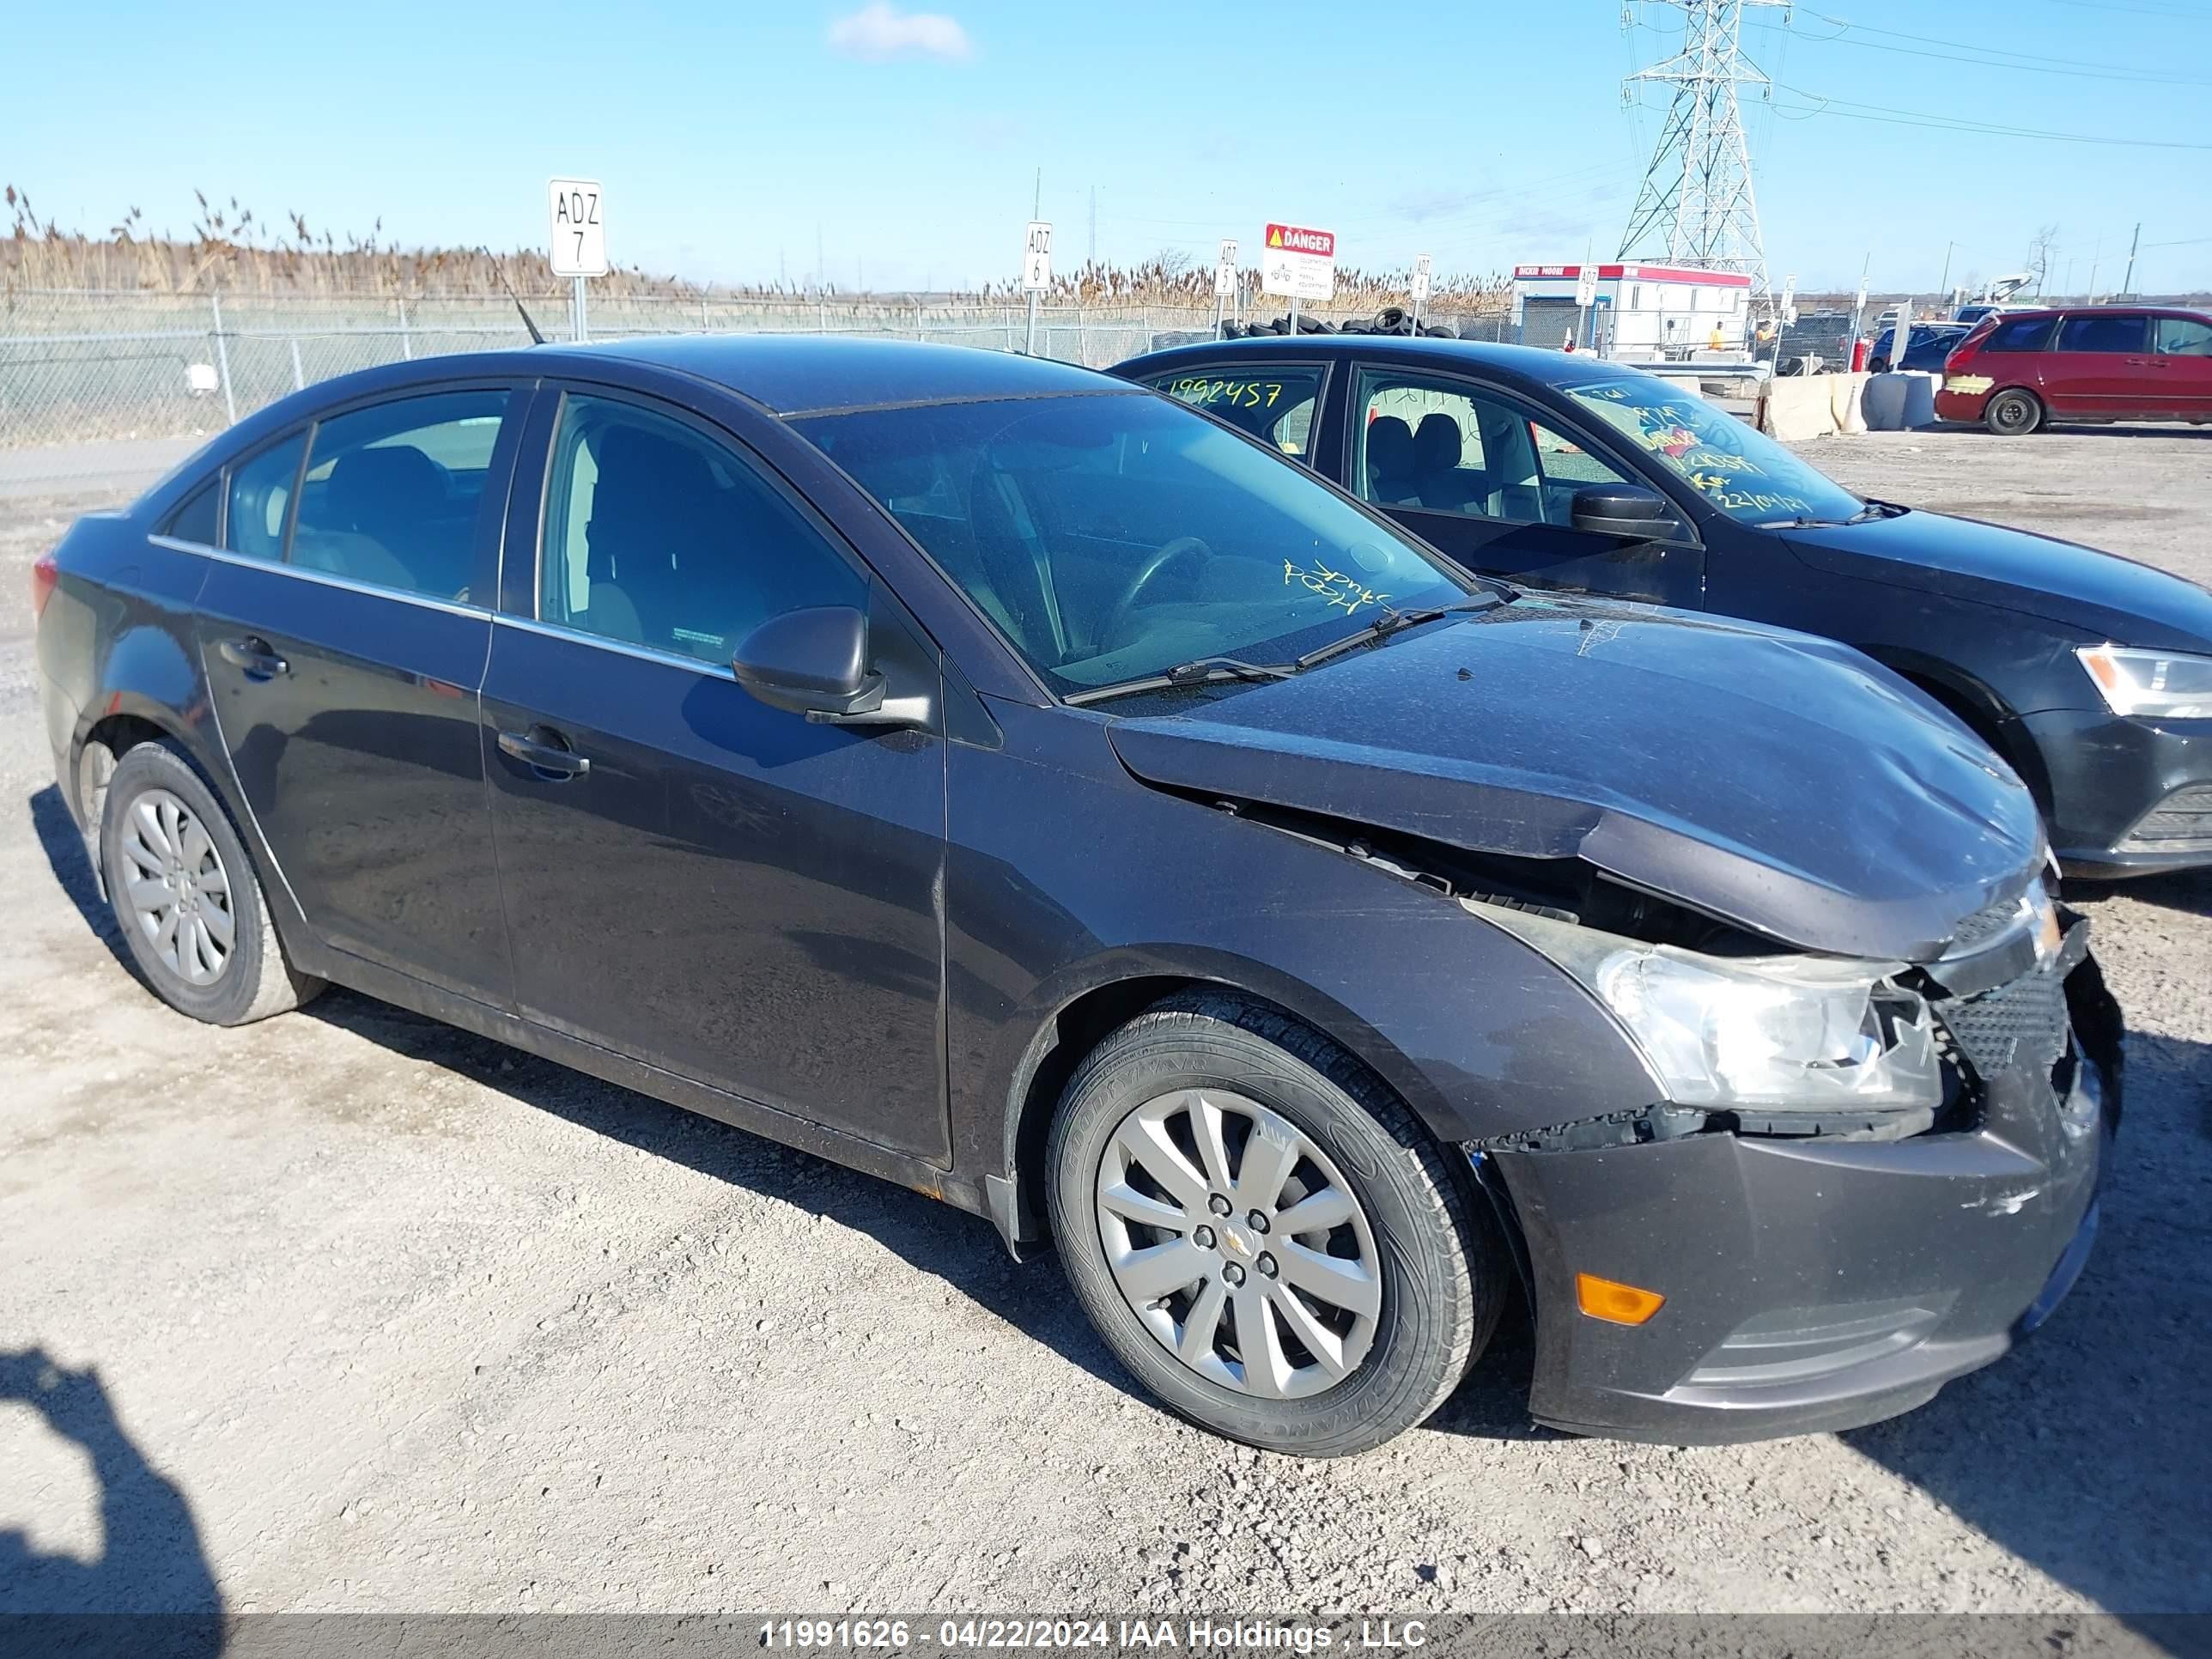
1297, 263
1423, 265
1585, 297
1036, 271
1225, 281
577, 240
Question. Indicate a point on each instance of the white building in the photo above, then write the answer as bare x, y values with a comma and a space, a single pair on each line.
1639, 312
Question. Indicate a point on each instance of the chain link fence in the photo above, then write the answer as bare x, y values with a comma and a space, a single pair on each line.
88, 377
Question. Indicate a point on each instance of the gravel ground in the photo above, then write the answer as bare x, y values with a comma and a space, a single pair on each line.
349, 1310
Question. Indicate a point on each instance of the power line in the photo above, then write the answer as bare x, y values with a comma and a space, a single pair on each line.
1991, 55
2131, 77
1884, 114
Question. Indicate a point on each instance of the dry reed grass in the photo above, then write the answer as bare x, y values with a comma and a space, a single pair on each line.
231, 250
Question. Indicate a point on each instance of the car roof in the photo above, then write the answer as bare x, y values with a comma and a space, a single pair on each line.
810, 373
2110, 308
1543, 363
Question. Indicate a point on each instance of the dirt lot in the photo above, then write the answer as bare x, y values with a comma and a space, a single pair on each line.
353, 1311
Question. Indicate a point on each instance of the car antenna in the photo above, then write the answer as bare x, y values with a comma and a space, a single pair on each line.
535, 338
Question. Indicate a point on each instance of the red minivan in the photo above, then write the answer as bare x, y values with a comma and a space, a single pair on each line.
2020, 369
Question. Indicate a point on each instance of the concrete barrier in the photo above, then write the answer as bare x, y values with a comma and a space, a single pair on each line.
1900, 401
1796, 407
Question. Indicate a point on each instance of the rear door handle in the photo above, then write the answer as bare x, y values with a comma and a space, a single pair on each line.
254, 654
546, 752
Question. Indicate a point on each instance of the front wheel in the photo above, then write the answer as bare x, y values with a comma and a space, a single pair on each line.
2013, 413
1263, 1234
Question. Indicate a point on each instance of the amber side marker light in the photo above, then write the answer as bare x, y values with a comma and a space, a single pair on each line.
1610, 1300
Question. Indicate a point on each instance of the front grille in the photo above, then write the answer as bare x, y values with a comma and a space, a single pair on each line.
2023, 1022
2182, 820
1984, 926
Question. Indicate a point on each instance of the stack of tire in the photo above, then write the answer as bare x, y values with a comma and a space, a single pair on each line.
1391, 319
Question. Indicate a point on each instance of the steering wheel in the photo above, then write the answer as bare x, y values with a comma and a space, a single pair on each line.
1117, 618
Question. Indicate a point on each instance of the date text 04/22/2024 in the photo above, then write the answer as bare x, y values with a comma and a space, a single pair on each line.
1197, 1635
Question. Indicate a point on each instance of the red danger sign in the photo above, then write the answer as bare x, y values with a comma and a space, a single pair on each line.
1297, 239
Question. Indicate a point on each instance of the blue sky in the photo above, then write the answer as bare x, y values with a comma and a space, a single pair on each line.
729, 134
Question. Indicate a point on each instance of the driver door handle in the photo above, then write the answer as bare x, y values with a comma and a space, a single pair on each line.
254, 655
554, 761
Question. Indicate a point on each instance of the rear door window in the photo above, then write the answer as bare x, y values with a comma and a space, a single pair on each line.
261, 490
1275, 405
2092, 332
393, 491
2027, 334
2183, 336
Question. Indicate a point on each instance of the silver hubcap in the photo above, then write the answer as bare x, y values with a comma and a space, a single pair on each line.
178, 891
1238, 1245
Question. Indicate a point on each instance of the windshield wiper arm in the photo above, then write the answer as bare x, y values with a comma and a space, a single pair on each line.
1202, 671
1871, 510
1391, 622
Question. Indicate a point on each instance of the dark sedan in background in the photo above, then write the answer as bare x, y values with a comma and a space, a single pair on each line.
995, 776
1926, 347
2091, 673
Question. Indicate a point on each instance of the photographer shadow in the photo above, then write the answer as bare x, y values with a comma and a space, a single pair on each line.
151, 1590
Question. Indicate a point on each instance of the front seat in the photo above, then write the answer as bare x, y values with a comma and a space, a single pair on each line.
1439, 479
655, 504
1390, 462
391, 499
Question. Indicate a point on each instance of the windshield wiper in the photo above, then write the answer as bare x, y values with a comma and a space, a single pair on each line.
1202, 671
1391, 622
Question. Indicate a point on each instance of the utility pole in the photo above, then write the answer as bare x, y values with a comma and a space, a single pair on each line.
1695, 206
2097, 254
1091, 257
1036, 196
821, 271
1945, 285
2128, 287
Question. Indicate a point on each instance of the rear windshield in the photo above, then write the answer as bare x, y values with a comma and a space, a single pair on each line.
1112, 537
1744, 473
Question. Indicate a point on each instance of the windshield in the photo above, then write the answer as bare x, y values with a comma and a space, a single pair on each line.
1746, 474
1114, 537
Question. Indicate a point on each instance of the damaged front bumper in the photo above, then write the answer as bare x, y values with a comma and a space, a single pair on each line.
1822, 1282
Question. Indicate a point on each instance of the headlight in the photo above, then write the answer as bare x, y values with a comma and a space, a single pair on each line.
1781, 1033
2163, 683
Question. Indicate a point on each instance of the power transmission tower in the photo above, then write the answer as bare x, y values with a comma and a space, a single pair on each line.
1695, 206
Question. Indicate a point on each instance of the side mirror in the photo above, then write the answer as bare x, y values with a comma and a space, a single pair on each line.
1622, 510
812, 662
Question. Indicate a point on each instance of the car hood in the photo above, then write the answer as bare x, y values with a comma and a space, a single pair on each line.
1780, 782
2099, 594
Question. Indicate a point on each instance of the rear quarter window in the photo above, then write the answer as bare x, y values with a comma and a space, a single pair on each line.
198, 518
2028, 334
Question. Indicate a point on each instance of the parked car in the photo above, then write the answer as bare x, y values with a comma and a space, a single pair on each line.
1929, 344
993, 776
2087, 363
2090, 673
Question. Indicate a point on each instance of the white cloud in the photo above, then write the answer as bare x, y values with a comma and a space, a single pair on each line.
880, 30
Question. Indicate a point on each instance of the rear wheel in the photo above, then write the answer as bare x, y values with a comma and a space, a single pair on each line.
186, 898
2013, 413
1262, 1233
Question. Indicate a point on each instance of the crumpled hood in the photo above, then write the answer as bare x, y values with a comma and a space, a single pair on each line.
1778, 781
2095, 593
